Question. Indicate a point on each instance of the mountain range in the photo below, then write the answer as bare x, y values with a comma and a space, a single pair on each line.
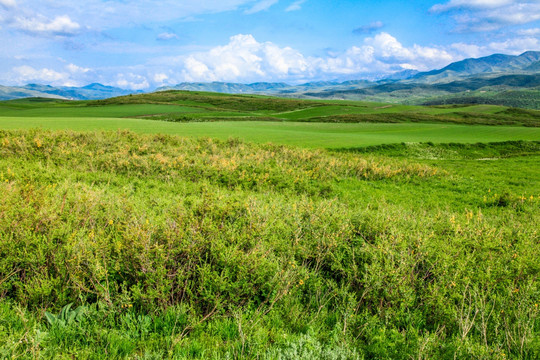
89, 92
482, 80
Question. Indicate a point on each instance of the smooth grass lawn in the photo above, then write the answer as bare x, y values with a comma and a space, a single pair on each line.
312, 135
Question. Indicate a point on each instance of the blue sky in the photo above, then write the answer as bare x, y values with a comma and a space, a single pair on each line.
143, 44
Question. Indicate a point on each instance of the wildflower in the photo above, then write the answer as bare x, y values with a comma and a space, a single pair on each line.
111, 222
301, 282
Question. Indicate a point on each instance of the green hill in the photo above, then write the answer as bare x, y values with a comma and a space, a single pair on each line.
188, 106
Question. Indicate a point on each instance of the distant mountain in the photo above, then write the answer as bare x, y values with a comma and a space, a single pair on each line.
464, 79
402, 75
496, 63
229, 88
402, 90
14, 92
90, 92
534, 67
269, 88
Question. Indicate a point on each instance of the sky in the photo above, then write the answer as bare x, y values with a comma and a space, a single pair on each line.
143, 44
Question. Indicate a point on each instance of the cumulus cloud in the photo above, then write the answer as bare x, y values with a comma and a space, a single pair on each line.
261, 6
297, 5
132, 81
160, 78
60, 25
29, 74
77, 69
244, 59
368, 29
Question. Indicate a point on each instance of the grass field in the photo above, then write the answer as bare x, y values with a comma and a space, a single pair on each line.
314, 135
401, 240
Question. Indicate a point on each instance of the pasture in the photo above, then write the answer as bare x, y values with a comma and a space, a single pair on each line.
200, 237
304, 134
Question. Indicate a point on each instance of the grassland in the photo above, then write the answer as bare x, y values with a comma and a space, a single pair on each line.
199, 247
328, 124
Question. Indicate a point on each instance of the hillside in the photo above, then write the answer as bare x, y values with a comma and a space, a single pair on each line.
189, 106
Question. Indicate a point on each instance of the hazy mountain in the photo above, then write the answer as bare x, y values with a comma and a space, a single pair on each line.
496, 72
496, 63
14, 92
402, 90
402, 75
534, 67
88, 92
229, 88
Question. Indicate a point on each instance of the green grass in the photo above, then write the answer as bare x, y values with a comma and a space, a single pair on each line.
326, 135
181, 106
112, 111
201, 248
247, 239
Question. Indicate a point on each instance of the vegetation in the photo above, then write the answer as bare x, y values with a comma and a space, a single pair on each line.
124, 245
413, 235
515, 98
185, 106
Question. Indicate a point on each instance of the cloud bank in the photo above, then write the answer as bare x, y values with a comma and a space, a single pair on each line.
244, 59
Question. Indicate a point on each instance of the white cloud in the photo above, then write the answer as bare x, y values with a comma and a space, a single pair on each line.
132, 81
468, 50
368, 29
490, 15
297, 5
261, 6
515, 14
8, 3
160, 78
60, 25
475, 4
29, 74
244, 59
167, 36
76, 69
529, 32
513, 46
101, 15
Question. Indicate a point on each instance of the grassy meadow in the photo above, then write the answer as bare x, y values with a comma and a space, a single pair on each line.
284, 237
